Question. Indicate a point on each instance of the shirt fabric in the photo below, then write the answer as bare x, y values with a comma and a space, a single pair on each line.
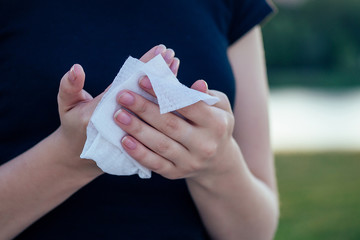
39, 42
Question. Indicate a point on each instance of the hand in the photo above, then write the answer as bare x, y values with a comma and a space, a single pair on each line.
174, 147
76, 105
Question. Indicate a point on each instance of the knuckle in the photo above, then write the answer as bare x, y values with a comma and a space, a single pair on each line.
231, 123
141, 155
208, 149
222, 96
179, 175
208, 113
194, 166
173, 173
186, 110
142, 107
84, 117
171, 124
156, 166
162, 147
172, 52
221, 126
137, 128
171, 176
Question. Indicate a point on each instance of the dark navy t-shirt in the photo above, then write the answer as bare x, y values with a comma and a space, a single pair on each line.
39, 42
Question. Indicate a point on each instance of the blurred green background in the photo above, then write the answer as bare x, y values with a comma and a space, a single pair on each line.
319, 196
315, 45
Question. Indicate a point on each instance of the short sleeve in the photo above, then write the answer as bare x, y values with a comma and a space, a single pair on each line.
245, 15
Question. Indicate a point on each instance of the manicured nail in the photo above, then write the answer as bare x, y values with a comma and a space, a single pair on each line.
72, 75
161, 48
145, 83
123, 117
126, 98
205, 84
129, 143
169, 55
175, 65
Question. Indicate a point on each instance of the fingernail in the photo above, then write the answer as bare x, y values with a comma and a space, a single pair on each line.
123, 117
145, 83
169, 54
129, 143
161, 48
205, 84
126, 98
175, 65
72, 74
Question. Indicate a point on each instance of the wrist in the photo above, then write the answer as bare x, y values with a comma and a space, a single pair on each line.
227, 167
68, 157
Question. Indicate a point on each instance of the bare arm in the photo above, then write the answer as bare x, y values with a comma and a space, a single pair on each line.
229, 170
242, 203
41, 178
251, 106
44, 176
37, 181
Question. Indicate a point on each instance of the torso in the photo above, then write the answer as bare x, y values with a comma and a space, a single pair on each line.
40, 40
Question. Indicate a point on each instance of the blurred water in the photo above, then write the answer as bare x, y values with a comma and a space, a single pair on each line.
315, 120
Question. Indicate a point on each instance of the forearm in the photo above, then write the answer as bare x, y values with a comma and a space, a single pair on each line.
37, 181
236, 205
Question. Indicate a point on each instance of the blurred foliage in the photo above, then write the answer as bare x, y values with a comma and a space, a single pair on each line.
315, 78
321, 35
319, 196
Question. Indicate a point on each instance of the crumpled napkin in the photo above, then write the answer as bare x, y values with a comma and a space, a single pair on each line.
103, 143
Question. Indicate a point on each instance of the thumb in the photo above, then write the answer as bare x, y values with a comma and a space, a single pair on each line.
71, 89
92, 103
200, 85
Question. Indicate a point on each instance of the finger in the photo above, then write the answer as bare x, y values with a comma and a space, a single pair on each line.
153, 52
175, 66
169, 124
87, 108
200, 85
150, 137
167, 53
91, 105
196, 111
147, 158
199, 113
145, 84
71, 88
168, 56
145, 81
224, 102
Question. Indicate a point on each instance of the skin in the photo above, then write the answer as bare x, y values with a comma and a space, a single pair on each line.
229, 171
29, 183
225, 157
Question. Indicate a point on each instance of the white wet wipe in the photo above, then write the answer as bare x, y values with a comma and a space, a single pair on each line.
103, 143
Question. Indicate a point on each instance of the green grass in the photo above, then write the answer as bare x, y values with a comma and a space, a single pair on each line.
319, 196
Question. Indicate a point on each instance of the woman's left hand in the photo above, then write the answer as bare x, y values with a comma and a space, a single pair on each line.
175, 147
